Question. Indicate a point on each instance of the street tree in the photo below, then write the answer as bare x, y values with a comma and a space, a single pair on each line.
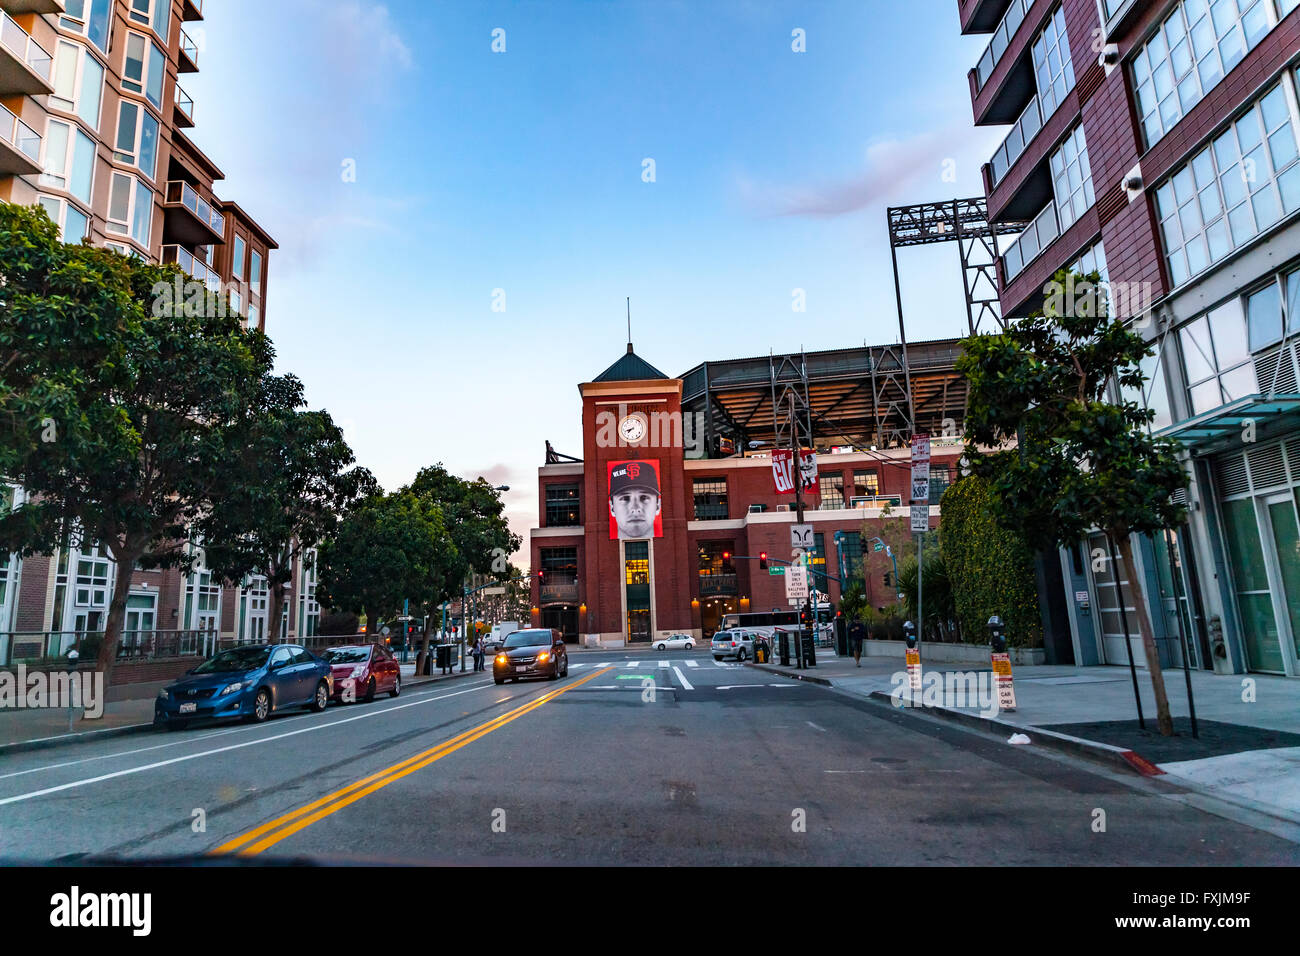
295, 490
1083, 460
121, 408
483, 542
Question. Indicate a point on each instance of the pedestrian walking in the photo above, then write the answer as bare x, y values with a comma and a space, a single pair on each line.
857, 632
478, 654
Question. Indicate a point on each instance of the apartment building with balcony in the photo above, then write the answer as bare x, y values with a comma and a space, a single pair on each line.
1156, 142
95, 129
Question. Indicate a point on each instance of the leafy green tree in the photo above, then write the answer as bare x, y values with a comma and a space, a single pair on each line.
294, 492
938, 607
1082, 461
482, 541
386, 549
122, 408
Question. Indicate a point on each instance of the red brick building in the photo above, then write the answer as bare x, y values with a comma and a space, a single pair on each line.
717, 504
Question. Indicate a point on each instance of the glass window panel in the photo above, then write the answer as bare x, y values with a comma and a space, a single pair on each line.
133, 66
149, 145
83, 167
1288, 185
127, 116
77, 226
119, 201
1198, 353
1267, 209
1264, 316
1220, 242
157, 70
140, 226
1239, 383
1228, 331
92, 92
1242, 221
1205, 397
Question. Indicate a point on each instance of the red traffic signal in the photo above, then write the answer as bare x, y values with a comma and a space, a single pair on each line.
762, 559
726, 555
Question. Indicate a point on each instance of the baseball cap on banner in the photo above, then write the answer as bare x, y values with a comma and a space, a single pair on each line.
633, 474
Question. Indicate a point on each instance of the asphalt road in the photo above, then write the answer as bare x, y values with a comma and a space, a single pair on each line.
624, 762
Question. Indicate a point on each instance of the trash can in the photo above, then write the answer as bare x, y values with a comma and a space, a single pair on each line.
841, 637
446, 657
785, 648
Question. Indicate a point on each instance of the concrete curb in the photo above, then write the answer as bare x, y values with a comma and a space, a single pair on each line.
797, 675
90, 736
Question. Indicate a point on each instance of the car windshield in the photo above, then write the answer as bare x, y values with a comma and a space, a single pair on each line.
722, 636
235, 659
528, 638
346, 655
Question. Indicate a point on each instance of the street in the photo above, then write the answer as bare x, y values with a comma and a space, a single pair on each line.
637, 757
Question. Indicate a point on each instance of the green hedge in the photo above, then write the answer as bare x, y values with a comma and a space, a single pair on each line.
991, 569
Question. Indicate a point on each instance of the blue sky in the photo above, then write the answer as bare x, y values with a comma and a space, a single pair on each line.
523, 171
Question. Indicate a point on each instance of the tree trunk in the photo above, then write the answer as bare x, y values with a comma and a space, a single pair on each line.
125, 563
424, 653
1163, 718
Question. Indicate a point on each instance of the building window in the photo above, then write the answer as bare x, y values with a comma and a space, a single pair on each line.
74, 225
850, 555
1196, 46
69, 159
1072, 178
1053, 68
1216, 358
940, 479
308, 607
255, 271
562, 509
1092, 260
1233, 189
1154, 393
90, 587
130, 208
559, 566
710, 499
832, 490
144, 68
137, 138
237, 262
254, 317
78, 82
156, 14
866, 484
90, 18
236, 303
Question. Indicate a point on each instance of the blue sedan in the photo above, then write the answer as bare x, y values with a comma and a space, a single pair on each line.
251, 681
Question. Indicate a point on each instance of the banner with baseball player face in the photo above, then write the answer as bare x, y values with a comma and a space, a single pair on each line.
634, 500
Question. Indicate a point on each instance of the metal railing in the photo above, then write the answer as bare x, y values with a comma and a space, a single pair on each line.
1001, 39
1022, 134
189, 48
20, 136
179, 191
184, 103
24, 46
52, 647
192, 266
1038, 235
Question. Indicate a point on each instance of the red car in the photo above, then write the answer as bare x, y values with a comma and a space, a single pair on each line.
363, 670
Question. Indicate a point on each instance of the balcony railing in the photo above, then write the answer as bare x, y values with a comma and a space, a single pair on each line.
192, 266
1021, 135
190, 49
20, 136
184, 104
25, 47
179, 191
716, 584
1038, 235
52, 647
1011, 21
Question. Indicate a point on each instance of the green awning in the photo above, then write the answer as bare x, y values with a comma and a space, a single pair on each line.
1228, 421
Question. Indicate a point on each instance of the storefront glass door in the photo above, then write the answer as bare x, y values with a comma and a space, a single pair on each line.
1286, 544
1250, 579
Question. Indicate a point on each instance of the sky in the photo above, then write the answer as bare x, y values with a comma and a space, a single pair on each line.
460, 227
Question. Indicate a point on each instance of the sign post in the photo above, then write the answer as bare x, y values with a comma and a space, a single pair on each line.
920, 516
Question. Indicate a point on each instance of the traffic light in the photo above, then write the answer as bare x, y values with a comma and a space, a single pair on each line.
762, 560
726, 556
887, 580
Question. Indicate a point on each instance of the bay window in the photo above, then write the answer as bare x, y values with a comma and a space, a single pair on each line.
69, 159
154, 13
74, 225
144, 68
90, 18
130, 208
137, 137
78, 82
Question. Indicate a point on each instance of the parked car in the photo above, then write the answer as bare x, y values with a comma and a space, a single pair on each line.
366, 669
734, 643
534, 652
675, 643
250, 681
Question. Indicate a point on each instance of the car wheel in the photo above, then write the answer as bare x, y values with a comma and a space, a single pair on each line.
499, 681
690, 646
262, 706
322, 698
555, 670
370, 690
661, 647
397, 686
740, 655
716, 657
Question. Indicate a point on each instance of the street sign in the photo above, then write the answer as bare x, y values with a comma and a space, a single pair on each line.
921, 481
801, 536
776, 569
796, 582
878, 546
1002, 675
920, 519
920, 448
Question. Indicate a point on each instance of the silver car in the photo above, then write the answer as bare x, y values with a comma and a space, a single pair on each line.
734, 643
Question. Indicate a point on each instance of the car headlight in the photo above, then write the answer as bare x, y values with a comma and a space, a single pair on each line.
358, 671
231, 688
543, 657
502, 659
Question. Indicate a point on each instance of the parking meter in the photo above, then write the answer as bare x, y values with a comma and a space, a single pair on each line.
996, 636
909, 632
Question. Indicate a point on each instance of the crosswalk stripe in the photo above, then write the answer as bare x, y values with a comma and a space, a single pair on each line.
686, 685
633, 663
692, 663
663, 663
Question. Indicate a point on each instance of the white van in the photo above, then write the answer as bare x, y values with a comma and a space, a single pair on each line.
499, 634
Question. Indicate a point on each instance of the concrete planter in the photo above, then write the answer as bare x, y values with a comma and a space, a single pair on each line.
954, 653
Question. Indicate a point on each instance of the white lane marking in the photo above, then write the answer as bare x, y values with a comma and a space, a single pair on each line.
686, 685
734, 686
692, 663
663, 663
248, 743
633, 663
846, 771
814, 726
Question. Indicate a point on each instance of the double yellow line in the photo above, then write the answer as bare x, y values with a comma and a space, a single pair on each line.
269, 834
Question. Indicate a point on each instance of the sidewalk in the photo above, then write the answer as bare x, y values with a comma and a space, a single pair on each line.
1248, 752
22, 730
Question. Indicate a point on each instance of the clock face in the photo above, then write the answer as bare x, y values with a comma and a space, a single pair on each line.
632, 428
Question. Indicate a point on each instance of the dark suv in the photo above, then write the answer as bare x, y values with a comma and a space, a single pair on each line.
533, 652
